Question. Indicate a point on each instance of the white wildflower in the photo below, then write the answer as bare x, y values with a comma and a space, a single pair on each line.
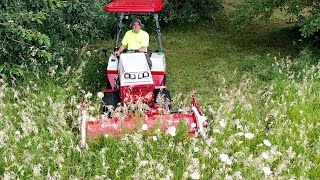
154, 138
265, 155
143, 163
267, 143
222, 123
249, 135
225, 158
100, 95
172, 131
106, 136
195, 175
144, 127
193, 125
88, 95
196, 149
266, 170
300, 112
239, 134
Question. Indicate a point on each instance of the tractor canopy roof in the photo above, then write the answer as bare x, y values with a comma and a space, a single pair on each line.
135, 6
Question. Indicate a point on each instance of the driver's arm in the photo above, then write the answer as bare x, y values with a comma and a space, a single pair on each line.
121, 48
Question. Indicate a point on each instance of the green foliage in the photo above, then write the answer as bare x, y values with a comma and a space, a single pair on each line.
189, 11
305, 13
44, 30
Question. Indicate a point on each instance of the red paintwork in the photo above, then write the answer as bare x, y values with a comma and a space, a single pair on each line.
112, 74
153, 118
158, 73
109, 90
135, 6
157, 77
138, 92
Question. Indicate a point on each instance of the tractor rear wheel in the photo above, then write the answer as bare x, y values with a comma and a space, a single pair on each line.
110, 102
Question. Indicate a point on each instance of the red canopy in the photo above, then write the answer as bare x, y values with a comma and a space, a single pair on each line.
135, 6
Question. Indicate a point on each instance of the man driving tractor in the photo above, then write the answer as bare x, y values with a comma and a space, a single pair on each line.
135, 39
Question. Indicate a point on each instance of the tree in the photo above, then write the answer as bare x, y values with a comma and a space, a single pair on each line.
306, 13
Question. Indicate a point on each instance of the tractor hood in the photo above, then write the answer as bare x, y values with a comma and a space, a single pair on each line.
134, 62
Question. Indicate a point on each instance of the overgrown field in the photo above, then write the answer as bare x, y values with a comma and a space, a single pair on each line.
263, 109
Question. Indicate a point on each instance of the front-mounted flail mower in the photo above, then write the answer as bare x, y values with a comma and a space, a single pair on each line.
130, 80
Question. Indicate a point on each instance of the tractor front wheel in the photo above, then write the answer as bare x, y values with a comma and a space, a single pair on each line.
110, 102
162, 93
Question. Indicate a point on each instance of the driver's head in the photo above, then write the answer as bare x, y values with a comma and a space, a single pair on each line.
136, 25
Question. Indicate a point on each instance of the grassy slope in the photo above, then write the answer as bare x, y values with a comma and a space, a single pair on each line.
201, 55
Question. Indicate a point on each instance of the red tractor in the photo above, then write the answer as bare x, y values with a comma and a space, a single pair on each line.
131, 80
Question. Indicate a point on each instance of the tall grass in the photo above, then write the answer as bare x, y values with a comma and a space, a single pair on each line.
255, 131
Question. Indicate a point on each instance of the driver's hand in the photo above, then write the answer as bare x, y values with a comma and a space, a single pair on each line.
116, 53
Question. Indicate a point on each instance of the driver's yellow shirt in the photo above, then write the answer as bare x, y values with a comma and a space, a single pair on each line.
135, 41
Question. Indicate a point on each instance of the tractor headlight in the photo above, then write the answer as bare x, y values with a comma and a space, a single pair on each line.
145, 74
126, 75
132, 76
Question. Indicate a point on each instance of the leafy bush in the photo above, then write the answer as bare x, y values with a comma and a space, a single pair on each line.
44, 30
305, 13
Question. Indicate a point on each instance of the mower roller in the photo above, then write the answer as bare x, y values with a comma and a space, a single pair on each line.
130, 80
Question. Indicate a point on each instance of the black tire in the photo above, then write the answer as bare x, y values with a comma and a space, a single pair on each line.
164, 92
108, 83
110, 101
